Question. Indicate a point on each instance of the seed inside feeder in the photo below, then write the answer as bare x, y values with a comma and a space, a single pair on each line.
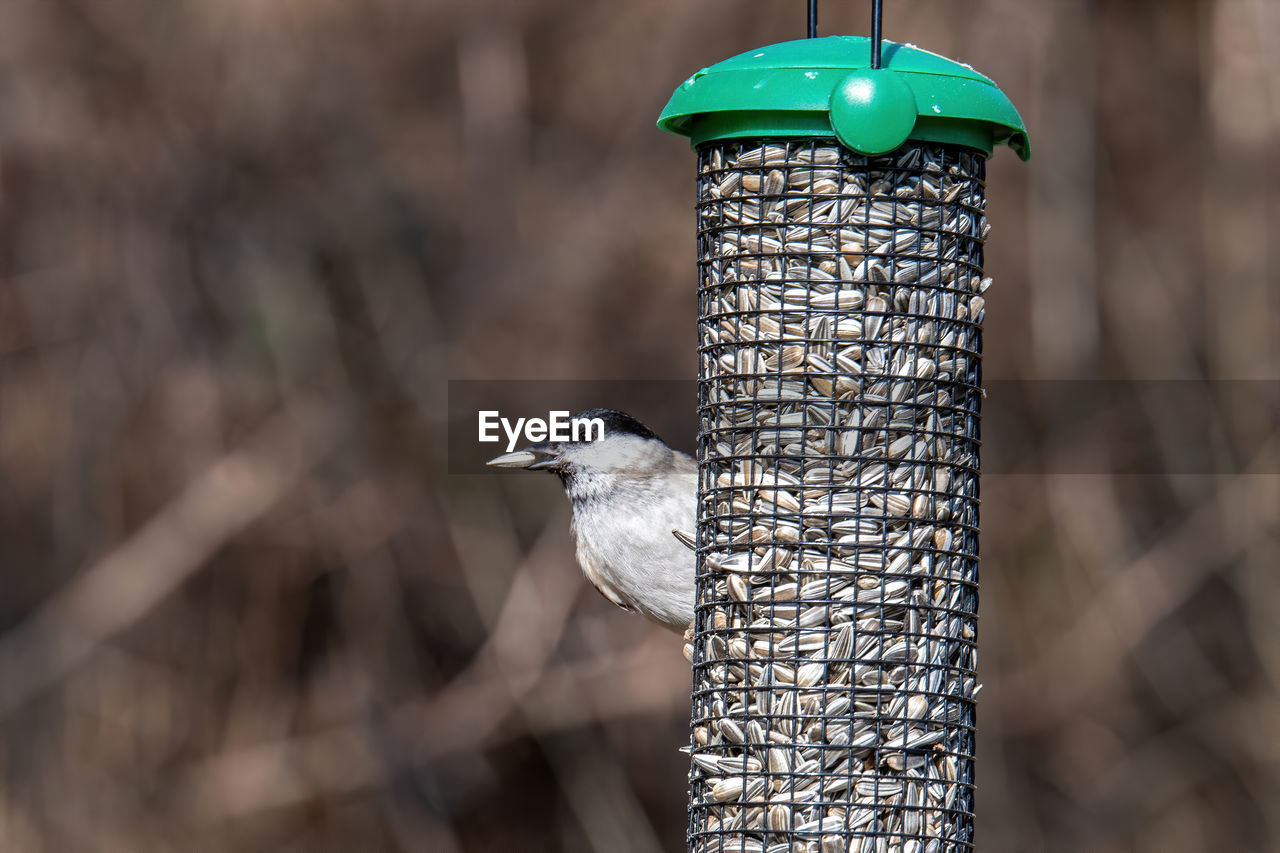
840, 338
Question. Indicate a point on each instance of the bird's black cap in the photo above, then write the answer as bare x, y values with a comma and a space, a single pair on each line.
618, 423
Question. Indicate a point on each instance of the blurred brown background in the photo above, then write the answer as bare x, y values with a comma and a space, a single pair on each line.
246, 242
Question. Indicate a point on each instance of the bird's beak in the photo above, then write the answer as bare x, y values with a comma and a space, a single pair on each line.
537, 457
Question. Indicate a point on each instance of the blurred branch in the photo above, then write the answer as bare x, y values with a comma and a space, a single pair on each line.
461, 716
464, 719
591, 781
129, 582
1151, 588
509, 671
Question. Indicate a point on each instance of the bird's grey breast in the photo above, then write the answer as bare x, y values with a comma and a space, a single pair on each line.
626, 547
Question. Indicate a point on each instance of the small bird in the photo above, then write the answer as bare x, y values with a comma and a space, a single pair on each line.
633, 499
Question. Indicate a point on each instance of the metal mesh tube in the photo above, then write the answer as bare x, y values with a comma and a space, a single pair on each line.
834, 654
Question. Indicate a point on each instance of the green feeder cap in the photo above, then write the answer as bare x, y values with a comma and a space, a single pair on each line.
826, 87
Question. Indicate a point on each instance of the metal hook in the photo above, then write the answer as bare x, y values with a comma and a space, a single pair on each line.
877, 15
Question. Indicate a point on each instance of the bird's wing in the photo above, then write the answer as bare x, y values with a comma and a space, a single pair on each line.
586, 560
612, 596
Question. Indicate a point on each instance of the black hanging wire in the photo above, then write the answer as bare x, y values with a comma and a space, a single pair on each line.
877, 24
877, 14
877, 20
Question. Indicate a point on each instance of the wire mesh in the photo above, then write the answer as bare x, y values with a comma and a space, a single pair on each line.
834, 656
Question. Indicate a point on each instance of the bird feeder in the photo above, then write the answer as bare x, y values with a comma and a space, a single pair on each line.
841, 220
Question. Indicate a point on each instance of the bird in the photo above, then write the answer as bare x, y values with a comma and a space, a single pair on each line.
633, 501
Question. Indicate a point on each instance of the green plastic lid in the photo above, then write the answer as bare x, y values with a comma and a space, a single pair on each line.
826, 87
